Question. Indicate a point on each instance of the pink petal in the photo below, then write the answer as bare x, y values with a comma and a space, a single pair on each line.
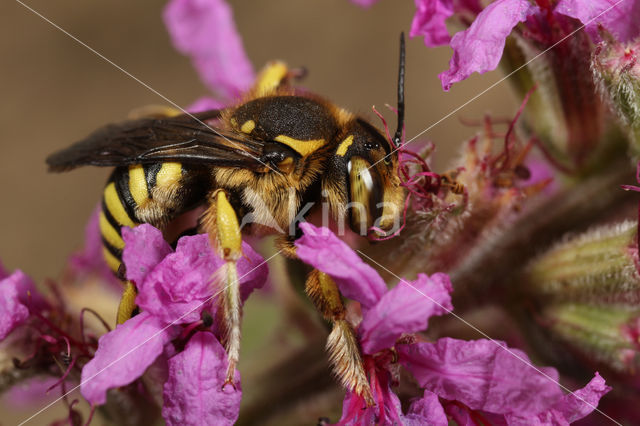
194, 393
355, 411
3, 272
386, 411
364, 3
461, 415
204, 104
539, 171
17, 294
426, 410
144, 249
575, 407
479, 48
571, 407
183, 284
621, 19
28, 392
322, 249
204, 30
481, 375
405, 309
430, 21
123, 355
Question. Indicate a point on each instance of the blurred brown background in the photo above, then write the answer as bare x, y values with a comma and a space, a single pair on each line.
55, 91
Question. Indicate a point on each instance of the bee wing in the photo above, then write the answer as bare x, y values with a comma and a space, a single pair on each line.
151, 140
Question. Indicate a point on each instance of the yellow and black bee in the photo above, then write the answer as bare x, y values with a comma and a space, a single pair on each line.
278, 148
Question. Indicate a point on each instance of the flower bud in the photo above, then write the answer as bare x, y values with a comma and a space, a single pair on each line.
606, 334
617, 72
587, 290
564, 112
598, 267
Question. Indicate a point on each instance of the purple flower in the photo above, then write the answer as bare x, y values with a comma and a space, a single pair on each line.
322, 249
474, 378
404, 309
124, 354
204, 30
3, 272
484, 375
18, 297
175, 290
204, 104
620, 18
431, 16
364, 3
177, 287
194, 393
569, 408
479, 47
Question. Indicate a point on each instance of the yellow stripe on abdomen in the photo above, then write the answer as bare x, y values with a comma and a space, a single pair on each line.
112, 261
169, 174
138, 184
109, 233
115, 207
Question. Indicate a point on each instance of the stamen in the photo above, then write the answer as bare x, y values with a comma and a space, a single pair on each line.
64, 375
95, 314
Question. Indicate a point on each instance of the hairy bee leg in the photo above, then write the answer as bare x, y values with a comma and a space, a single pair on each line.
221, 222
127, 303
342, 345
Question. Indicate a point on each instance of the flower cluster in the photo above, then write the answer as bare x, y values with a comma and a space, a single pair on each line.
461, 379
177, 299
490, 230
539, 42
479, 48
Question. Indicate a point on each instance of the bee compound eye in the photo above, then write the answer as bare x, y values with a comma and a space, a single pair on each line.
364, 195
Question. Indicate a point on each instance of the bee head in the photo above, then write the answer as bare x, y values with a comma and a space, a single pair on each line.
373, 193
372, 168
366, 163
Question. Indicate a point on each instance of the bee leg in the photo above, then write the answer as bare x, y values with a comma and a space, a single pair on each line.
221, 223
127, 303
272, 76
342, 345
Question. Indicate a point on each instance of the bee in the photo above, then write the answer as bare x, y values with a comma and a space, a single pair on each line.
279, 147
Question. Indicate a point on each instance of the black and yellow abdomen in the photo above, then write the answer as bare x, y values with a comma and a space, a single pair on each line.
151, 193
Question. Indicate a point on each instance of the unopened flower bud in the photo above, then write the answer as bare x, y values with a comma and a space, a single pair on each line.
598, 267
564, 112
617, 71
605, 334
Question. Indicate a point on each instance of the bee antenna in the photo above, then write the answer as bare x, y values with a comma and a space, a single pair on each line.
397, 138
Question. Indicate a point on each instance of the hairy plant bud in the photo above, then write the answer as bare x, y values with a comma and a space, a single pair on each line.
564, 111
606, 334
587, 292
617, 72
598, 267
